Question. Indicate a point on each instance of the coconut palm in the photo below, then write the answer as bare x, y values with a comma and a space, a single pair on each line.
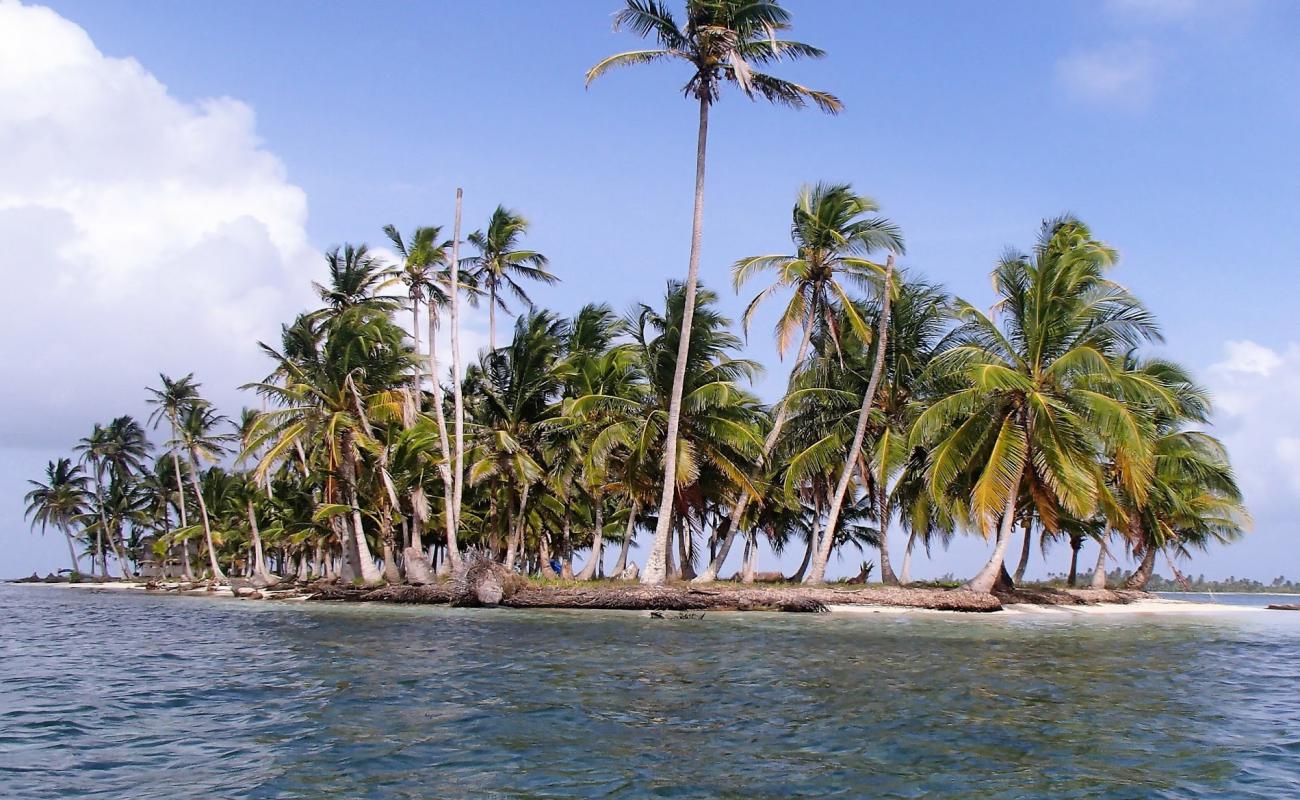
1032, 396
116, 454
59, 502
502, 264
170, 400
722, 41
199, 437
832, 235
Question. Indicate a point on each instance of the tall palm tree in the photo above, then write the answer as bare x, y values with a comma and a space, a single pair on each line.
424, 259
501, 263
198, 436
1032, 395
59, 502
173, 398
116, 453
832, 235
722, 41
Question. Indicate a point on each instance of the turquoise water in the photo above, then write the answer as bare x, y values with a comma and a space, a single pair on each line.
109, 694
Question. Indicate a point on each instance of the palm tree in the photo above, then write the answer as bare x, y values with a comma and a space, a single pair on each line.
832, 235
197, 436
116, 453
501, 263
722, 41
424, 260
59, 502
171, 400
1031, 395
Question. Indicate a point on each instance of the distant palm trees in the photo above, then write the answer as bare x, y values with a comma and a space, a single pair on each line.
59, 502
722, 41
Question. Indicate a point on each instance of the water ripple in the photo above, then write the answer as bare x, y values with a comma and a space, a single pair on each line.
106, 694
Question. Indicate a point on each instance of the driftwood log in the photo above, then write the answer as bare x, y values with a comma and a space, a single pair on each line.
675, 598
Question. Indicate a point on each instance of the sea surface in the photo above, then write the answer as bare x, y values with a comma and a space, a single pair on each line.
125, 695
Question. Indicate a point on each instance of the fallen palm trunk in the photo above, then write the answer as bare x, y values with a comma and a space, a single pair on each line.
1071, 597
679, 598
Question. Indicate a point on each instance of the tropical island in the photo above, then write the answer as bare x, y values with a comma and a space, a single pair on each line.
370, 466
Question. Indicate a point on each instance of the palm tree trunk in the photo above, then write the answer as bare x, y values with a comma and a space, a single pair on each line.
1076, 542
492, 316
366, 569
818, 572
656, 565
710, 574
887, 575
1138, 580
1099, 572
807, 551
389, 543
415, 338
628, 535
517, 535
259, 559
187, 570
453, 553
217, 574
984, 580
905, 576
450, 509
72, 551
686, 550
751, 558
597, 540
566, 542
1028, 525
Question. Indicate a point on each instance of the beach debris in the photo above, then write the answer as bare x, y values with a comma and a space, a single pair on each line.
1283, 606
482, 580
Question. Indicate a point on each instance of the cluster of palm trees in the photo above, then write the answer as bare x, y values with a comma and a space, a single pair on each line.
904, 408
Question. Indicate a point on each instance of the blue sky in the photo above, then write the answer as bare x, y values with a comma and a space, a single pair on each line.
1168, 125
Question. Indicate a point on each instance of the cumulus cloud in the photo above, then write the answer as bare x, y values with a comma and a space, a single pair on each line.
1123, 73
142, 233
1255, 389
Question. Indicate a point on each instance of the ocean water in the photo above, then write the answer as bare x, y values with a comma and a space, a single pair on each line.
123, 695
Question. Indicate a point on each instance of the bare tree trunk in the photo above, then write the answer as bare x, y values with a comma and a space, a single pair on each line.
1028, 525
797, 577
818, 572
1099, 572
450, 508
566, 542
656, 571
732, 525
389, 543
453, 551
597, 541
751, 560
627, 540
365, 566
72, 551
415, 338
887, 575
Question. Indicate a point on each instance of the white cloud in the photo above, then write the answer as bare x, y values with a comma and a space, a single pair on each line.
142, 233
1255, 389
1122, 73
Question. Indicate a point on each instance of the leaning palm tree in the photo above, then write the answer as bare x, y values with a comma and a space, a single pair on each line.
59, 502
501, 263
1032, 394
832, 235
722, 41
198, 436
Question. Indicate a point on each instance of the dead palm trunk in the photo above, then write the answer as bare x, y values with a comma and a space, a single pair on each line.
1099, 572
450, 508
656, 565
818, 572
453, 551
710, 574
1027, 524
597, 540
217, 574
